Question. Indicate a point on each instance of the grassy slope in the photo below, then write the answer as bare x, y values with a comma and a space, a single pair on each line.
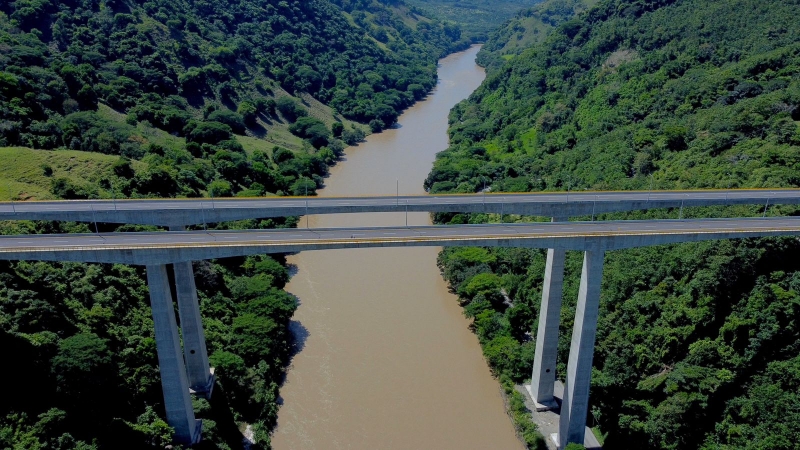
528, 28
22, 174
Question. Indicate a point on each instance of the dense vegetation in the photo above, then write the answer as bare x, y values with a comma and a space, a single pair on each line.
85, 373
112, 77
528, 27
477, 18
163, 61
111, 98
697, 343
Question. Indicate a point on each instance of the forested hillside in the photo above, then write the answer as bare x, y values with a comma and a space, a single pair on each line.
528, 27
115, 98
697, 344
477, 18
165, 61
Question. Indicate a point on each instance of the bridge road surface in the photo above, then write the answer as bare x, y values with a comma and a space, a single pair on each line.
176, 246
182, 212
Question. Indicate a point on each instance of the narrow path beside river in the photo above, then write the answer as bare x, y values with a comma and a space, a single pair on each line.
388, 361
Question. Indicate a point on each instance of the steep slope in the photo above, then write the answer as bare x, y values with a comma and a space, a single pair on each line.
227, 81
527, 28
64, 56
478, 18
649, 95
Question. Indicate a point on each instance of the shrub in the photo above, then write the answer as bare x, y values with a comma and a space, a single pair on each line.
290, 109
229, 118
220, 188
208, 132
312, 129
336, 129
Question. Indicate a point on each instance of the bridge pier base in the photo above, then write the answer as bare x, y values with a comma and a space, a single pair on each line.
544, 361
174, 383
575, 404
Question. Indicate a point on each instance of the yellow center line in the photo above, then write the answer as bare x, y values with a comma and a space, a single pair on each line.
408, 239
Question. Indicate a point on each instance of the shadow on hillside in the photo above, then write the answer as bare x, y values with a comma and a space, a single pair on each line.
257, 130
225, 428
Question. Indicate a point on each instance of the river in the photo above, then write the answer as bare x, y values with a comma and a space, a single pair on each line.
387, 360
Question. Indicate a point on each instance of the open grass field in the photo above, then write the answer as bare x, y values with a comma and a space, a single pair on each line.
23, 177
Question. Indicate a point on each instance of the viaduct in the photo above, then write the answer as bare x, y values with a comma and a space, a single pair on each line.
186, 371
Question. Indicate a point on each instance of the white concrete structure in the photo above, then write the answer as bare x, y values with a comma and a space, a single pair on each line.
174, 383
544, 362
182, 212
575, 404
201, 378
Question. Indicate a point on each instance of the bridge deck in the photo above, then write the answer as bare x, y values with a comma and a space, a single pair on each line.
172, 212
163, 247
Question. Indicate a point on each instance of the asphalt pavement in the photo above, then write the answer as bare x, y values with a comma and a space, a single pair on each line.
322, 205
436, 235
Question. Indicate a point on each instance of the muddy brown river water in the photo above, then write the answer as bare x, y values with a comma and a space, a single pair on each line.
387, 360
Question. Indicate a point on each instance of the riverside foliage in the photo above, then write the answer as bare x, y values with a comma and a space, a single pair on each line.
164, 99
157, 59
127, 79
477, 18
528, 27
697, 344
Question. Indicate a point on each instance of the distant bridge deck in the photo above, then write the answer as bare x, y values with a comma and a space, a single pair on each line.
182, 212
170, 247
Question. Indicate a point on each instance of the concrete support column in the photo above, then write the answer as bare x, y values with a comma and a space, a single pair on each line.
177, 401
201, 377
575, 405
544, 362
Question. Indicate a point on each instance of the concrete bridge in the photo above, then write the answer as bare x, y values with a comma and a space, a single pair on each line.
184, 212
190, 369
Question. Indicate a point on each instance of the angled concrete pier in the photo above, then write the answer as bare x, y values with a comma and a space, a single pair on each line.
201, 379
174, 383
544, 362
575, 405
